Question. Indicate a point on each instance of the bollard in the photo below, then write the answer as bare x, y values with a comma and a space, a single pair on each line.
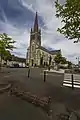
28, 72
49, 68
44, 76
72, 81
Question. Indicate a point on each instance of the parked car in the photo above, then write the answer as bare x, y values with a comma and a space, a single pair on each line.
16, 65
77, 70
27, 66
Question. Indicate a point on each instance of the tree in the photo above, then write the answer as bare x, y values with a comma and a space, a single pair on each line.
58, 58
69, 64
70, 15
6, 44
63, 60
7, 56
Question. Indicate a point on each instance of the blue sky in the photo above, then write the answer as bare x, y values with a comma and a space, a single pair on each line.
17, 17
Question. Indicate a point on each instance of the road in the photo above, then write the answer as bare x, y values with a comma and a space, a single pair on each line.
68, 80
62, 97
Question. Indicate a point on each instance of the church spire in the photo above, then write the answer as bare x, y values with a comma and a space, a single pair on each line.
36, 23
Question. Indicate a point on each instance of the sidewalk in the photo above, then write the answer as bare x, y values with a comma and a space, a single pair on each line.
55, 71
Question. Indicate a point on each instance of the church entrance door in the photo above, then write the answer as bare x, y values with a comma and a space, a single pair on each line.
41, 61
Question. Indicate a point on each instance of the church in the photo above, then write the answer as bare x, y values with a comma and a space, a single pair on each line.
37, 55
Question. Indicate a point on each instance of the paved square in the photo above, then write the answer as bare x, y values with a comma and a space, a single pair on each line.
62, 96
68, 81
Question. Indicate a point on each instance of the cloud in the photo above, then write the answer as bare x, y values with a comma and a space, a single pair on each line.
20, 36
19, 27
50, 36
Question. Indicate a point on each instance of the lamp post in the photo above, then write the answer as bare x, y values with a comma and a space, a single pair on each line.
78, 60
72, 79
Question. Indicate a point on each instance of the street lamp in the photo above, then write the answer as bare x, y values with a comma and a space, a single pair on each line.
78, 60
72, 79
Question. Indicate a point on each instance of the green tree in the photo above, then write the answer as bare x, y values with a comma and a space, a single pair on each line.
69, 13
6, 44
58, 58
63, 60
7, 56
69, 64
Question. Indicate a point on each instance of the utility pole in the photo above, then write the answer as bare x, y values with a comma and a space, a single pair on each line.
72, 80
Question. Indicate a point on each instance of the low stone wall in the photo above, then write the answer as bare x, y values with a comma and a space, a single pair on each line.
6, 88
34, 99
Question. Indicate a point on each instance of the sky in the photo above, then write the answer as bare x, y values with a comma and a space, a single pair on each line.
17, 18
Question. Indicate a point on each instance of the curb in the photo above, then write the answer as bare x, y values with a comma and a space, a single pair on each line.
54, 72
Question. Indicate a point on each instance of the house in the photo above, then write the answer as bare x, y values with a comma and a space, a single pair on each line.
15, 60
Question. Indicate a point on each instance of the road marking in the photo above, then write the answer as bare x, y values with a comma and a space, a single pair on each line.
75, 80
68, 81
71, 82
70, 85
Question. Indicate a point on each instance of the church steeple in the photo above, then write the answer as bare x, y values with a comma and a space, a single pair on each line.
35, 33
36, 23
31, 30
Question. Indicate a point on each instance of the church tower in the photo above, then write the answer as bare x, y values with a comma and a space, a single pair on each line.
35, 34
35, 40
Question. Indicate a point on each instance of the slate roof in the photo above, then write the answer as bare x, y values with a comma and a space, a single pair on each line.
50, 52
15, 58
55, 51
